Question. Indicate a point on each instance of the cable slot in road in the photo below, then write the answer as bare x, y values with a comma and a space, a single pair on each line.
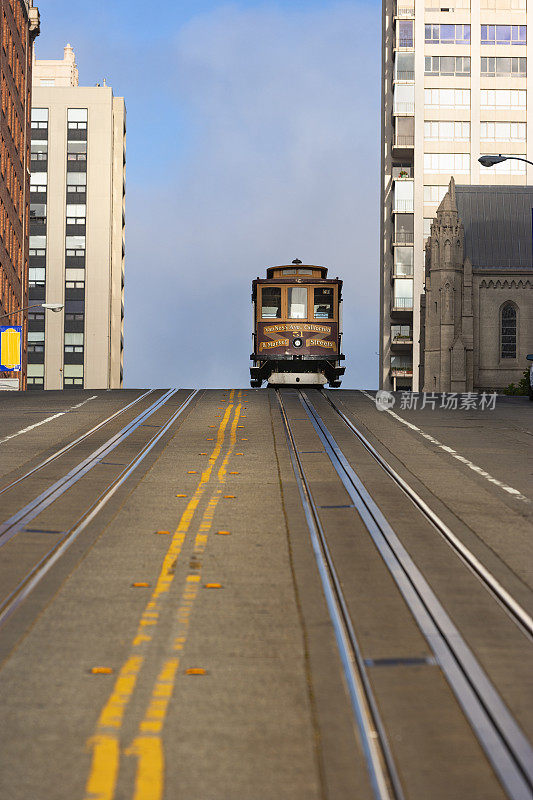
380, 764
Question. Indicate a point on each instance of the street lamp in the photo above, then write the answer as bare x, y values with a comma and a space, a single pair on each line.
490, 161
54, 307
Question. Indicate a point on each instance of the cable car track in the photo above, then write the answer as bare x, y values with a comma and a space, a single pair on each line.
503, 741
73, 444
18, 521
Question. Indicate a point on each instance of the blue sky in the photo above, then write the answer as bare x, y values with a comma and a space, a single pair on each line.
253, 138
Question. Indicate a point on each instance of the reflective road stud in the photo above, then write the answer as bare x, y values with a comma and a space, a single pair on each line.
101, 671
166, 532
141, 585
181, 495
224, 533
213, 586
196, 671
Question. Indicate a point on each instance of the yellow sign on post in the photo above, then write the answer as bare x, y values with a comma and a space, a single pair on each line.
10, 348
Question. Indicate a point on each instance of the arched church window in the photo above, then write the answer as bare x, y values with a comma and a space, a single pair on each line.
508, 331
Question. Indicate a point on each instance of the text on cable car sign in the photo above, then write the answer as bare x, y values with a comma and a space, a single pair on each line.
308, 327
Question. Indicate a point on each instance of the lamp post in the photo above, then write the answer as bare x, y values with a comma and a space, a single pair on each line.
490, 161
54, 307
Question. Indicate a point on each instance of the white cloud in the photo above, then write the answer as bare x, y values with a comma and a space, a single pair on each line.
281, 161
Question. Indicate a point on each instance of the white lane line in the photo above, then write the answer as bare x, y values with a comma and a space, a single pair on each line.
48, 419
474, 467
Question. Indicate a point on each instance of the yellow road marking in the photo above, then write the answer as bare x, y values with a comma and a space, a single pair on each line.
150, 767
151, 758
103, 777
101, 782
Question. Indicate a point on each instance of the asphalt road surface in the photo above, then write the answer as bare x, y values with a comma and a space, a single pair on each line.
260, 595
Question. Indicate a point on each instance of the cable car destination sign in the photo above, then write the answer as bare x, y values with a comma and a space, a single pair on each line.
322, 336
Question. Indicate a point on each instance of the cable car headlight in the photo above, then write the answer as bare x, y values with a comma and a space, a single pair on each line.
297, 342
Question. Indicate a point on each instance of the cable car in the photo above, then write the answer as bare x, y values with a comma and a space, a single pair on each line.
297, 327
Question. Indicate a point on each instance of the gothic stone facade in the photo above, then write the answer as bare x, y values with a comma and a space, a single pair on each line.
477, 308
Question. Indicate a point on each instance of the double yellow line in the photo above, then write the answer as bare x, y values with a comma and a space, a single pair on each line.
147, 745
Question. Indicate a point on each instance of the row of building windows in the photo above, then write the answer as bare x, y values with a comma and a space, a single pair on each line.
439, 33
490, 99
459, 66
488, 131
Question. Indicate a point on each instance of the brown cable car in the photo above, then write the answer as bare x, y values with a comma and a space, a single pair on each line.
297, 327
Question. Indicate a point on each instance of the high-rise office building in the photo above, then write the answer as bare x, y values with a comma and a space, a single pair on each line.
454, 86
19, 21
78, 146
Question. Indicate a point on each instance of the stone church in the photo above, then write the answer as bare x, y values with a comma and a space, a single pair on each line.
477, 308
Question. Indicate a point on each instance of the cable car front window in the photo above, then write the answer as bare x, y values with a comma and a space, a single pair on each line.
324, 303
298, 302
271, 302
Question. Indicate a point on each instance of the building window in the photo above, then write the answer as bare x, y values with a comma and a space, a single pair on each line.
447, 131
76, 182
73, 342
37, 246
38, 213
403, 261
404, 99
508, 331
503, 99
77, 151
450, 163
38, 181
503, 5
434, 194
447, 65
503, 34
37, 276
447, 34
406, 31
503, 131
503, 67
77, 118
39, 118
48, 82
75, 245
447, 98
404, 67
403, 196
39, 150
76, 214
401, 333
73, 375
403, 294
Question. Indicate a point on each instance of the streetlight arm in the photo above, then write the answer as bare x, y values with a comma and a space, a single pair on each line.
486, 161
46, 306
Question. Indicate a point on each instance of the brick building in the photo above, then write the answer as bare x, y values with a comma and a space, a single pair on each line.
19, 21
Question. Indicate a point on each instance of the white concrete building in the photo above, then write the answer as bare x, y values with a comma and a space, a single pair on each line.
455, 83
77, 210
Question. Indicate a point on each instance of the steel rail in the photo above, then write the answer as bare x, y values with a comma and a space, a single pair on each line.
70, 445
35, 575
504, 743
516, 612
17, 521
380, 764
